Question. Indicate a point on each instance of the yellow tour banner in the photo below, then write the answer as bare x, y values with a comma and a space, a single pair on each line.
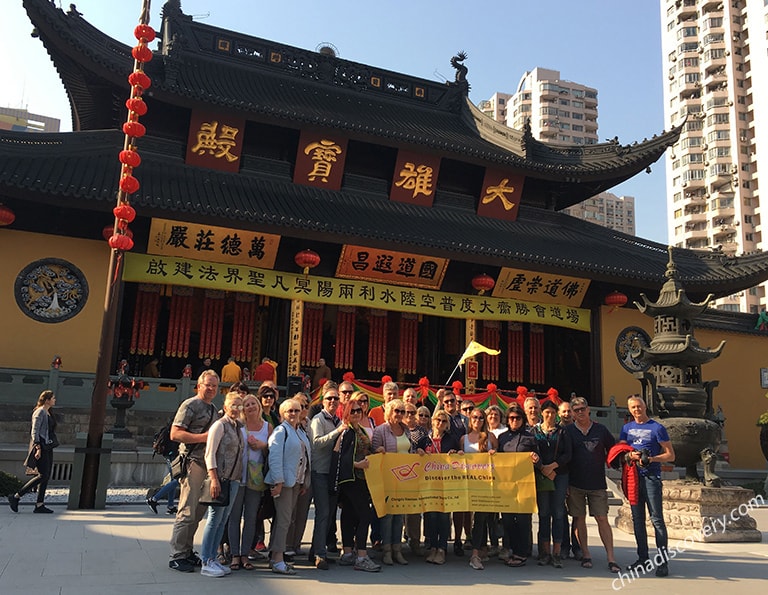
482, 482
169, 270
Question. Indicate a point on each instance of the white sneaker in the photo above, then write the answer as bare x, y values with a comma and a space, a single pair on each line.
224, 569
211, 569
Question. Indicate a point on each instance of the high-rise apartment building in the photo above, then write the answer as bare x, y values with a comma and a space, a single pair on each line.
21, 120
716, 74
562, 112
608, 210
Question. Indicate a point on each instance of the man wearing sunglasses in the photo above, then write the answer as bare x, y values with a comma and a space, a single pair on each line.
325, 429
586, 480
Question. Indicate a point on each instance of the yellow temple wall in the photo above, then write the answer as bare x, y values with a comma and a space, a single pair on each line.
738, 369
27, 343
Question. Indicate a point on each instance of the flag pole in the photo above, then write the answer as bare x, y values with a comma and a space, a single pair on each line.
452, 373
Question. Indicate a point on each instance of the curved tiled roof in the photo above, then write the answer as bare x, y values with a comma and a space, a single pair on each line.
267, 81
82, 167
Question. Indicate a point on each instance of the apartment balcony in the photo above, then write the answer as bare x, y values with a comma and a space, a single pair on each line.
693, 235
548, 91
694, 217
724, 233
712, 6
687, 8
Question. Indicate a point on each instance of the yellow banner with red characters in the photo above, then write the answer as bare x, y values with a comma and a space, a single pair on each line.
406, 484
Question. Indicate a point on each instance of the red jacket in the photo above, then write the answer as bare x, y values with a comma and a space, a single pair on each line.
629, 474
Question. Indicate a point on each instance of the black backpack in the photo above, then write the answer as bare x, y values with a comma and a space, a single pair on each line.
162, 443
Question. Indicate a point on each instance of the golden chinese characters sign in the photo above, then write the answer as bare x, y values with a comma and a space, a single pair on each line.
215, 141
540, 287
217, 244
141, 268
415, 178
401, 268
411, 484
320, 160
500, 195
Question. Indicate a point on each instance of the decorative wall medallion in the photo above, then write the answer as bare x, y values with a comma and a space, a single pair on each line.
631, 339
51, 290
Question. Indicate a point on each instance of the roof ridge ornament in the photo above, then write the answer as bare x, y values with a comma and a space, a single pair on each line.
671, 272
461, 71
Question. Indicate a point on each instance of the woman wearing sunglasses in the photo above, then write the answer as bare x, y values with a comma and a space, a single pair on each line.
392, 437
288, 476
349, 462
517, 526
479, 439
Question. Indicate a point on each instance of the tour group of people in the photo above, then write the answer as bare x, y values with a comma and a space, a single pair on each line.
283, 458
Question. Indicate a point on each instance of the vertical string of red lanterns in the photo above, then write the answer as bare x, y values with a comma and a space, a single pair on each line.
212, 324
180, 322
242, 329
121, 239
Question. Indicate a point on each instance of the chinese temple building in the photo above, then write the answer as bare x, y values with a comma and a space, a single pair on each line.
296, 205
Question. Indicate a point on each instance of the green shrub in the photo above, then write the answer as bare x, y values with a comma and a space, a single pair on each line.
9, 484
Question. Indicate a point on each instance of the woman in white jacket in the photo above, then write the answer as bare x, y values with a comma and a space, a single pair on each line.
289, 477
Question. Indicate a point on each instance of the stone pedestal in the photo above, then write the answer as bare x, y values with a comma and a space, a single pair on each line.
693, 512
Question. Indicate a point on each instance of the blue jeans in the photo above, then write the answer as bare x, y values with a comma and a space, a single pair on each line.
438, 529
391, 529
217, 522
650, 496
552, 511
325, 510
168, 490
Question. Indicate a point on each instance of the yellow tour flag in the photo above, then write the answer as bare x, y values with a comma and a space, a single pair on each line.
474, 348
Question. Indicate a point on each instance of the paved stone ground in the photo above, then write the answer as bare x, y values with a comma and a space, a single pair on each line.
124, 550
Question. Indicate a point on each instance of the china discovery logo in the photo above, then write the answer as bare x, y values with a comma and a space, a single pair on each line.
405, 472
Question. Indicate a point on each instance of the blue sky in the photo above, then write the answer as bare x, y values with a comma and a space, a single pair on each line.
612, 45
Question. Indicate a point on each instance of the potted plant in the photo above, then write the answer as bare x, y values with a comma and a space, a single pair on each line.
762, 421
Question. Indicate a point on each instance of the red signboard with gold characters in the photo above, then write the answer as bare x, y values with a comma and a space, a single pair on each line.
415, 178
500, 195
399, 268
215, 141
320, 160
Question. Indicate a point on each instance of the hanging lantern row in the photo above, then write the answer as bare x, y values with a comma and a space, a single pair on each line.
121, 238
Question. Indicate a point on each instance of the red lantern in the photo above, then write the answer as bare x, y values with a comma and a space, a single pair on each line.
141, 53
138, 79
137, 105
135, 129
125, 211
110, 229
144, 32
307, 259
129, 184
483, 283
7, 216
120, 241
615, 299
131, 158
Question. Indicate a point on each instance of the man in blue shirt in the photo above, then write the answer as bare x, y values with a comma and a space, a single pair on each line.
652, 447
